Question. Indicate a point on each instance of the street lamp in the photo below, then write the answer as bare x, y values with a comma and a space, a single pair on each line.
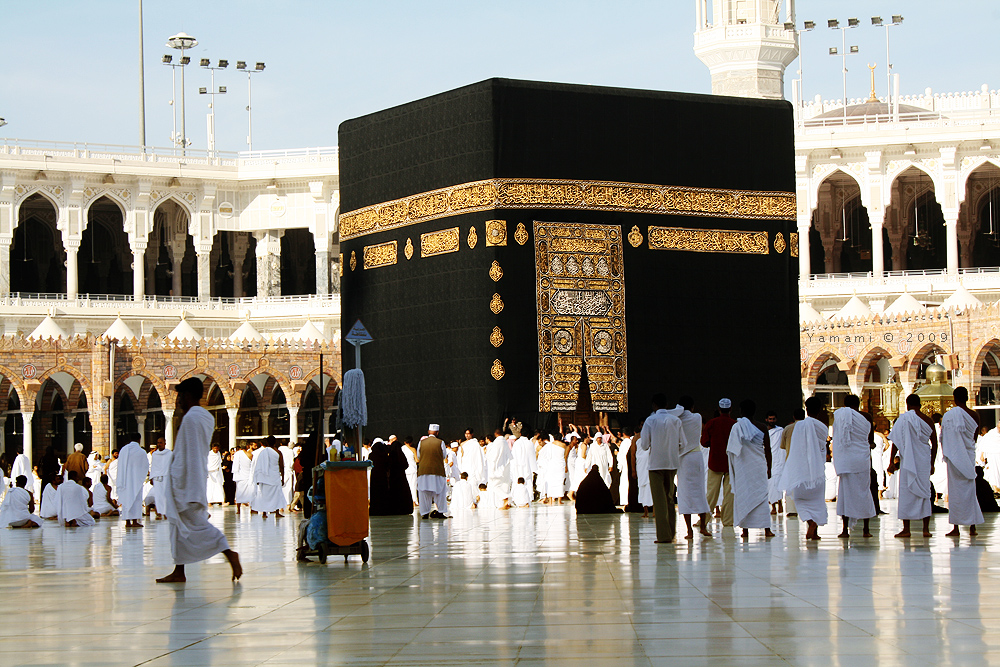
835, 24
182, 41
258, 67
207, 64
897, 19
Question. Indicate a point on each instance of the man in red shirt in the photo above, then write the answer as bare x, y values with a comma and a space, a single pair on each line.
715, 436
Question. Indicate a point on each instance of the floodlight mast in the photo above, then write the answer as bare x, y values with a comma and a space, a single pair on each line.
258, 68
182, 41
835, 24
897, 19
213, 91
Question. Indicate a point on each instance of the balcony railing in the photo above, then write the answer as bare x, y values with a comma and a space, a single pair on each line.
111, 301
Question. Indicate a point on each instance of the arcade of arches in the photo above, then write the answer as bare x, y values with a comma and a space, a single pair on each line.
58, 393
914, 234
101, 259
884, 358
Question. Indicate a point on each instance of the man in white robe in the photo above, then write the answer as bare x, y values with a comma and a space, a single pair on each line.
288, 460
621, 461
20, 466
663, 435
599, 454
525, 463
184, 496
910, 436
133, 466
74, 503
642, 474
111, 470
804, 474
410, 452
988, 456
749, 465
268, 477
691, 489
159, 467
471, 459
959, 429
215, 492
551, 470
50, 499
462, 495
242, 477
498, 464
17, 507
775, 495
853, 441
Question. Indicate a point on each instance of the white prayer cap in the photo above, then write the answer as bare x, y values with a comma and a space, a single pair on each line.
725, 403
78, 447
434, 427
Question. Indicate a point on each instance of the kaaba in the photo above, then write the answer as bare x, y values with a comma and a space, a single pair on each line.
530, 250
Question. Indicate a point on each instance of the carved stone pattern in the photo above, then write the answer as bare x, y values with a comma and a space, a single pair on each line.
408, 250
580, 300
496, 273
497, 370
779, 242
635, 237
472, 239
383, 254
521, 234
439, 243
496, 232
496, 338
708, 240
793, 243
354, 260
496, 304
523, 193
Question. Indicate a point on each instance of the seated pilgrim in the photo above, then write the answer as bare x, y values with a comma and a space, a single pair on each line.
74, 503
984, 492
17, 507
593, 496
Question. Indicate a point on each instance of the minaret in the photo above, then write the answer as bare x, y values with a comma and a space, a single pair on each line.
745, 45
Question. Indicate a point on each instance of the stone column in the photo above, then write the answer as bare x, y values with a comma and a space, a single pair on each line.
269, 262
878, 256
322, 272
3, 435
804, 224
233, 413
27, 437
140, 421
204, 272
177, 256
5, 265
293, 424
138, 270
70, 436
168, 427
238, 253
72, 268
951, 229
265, 424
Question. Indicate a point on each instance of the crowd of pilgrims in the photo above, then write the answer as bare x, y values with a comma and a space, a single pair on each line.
267, 477
739, 471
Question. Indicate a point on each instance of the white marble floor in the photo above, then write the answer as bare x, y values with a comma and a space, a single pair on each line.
535, 586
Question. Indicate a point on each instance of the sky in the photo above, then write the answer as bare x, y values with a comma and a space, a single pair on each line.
71, 68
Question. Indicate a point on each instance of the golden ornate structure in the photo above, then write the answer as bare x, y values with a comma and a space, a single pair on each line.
496, 304
496, 338
354, 260
408, 250
496, 232
528, 193
779, 243
793, 244
521, 234
472, 239
439, 243
635, 237
708, 240
580, 294
497, 370
496, 273
383, 254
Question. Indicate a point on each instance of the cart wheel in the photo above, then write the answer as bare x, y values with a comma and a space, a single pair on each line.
321, 551
365, 552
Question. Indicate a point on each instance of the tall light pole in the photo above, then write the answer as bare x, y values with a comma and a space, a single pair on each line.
835, 24
207, 64
182, 41
142, 87
897, 19
806, 27
259, 67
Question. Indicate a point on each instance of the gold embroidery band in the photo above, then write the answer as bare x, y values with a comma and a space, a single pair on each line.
383, 254
439, 243
518, 193
708, 240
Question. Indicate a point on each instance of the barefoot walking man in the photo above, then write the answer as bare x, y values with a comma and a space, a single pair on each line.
185, 492
910, 435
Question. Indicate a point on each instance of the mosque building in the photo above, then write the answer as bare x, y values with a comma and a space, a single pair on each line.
898, 204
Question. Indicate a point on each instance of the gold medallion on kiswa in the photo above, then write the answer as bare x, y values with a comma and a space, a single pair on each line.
580, 300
